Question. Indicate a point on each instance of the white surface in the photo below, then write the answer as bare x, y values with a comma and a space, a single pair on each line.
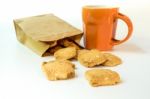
20, 69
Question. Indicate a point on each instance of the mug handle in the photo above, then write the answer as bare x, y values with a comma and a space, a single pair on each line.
130, 28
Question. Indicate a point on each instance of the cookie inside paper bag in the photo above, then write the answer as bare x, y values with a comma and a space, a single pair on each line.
40, 33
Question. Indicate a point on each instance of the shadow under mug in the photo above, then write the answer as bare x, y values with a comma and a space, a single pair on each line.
99, 26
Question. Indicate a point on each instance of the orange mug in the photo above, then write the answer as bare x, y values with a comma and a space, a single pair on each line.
99, 26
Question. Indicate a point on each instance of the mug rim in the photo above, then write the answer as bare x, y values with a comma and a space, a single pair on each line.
100, 6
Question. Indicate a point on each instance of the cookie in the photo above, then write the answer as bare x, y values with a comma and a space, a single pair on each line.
58, 69
102, 77
66, 53
69, 43
54, 49
112, 60
90, 58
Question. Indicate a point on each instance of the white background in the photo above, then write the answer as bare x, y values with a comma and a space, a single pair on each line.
20, 69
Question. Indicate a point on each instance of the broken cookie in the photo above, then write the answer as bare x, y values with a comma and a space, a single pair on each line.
91, 58
101, 77
58, 69
66, 53
112, 60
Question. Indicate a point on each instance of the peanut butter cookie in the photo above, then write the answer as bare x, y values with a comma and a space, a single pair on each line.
69, 43
58, 69
112, 60
101, 77
66, 53
91, 58
54, 49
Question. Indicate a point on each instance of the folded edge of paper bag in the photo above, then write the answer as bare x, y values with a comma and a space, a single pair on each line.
47, 27
36, 46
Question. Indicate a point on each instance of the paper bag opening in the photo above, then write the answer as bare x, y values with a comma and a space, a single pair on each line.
39, 33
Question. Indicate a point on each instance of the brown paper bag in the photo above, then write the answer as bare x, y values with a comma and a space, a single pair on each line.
40, 33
